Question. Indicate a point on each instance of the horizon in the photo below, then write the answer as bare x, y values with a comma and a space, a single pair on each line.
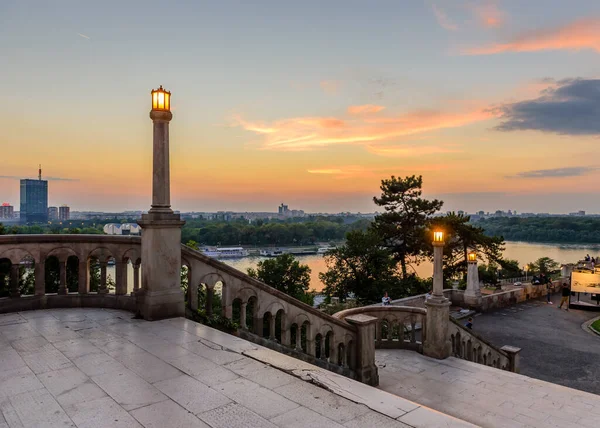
311, 104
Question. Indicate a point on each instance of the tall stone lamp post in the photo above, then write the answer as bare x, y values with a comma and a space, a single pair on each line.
437, 343
161, 295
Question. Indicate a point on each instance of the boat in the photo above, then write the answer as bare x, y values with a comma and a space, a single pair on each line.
272, 253
323, 250
225, 252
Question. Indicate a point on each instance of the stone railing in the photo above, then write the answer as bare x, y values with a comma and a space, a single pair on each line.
524, 292
397, 327
469, 346
29, 254
514, 280
276, 320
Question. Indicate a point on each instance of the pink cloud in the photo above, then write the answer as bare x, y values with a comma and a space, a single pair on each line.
358, 171
443, 19
488, 14
581, 34
410, 150
365, 109
305, 133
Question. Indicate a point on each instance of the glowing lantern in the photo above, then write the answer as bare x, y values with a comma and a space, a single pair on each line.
472, 257
161, 99
438, 236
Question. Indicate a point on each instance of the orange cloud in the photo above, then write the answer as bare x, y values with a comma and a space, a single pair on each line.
582, 34
443, 19
365, 109
330, 87
489, 15
410, 150
356, 171
313, 132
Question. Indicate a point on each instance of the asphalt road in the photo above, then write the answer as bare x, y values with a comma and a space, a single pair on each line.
554, 346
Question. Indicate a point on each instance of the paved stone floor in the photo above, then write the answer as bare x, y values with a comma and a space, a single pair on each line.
554, 346
483, 395
101, 368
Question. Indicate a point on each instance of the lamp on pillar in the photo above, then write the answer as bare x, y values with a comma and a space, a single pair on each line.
161, 295
473, 292
437, 343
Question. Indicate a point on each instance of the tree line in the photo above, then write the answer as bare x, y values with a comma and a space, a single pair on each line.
575, 230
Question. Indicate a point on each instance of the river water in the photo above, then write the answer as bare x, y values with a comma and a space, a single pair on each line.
524, 252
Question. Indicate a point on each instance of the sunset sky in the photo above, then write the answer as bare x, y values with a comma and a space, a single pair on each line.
310, 103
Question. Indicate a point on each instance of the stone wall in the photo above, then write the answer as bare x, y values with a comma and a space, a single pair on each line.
510, 297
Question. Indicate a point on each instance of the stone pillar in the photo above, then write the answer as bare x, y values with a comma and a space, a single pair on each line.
437, 343
243, 325
378, 332
272, 327
210, 291
193, 292
83, 277
102, 289
473, 292
310, 340
365, 368
62, 269
121, 278
161, 295
136, 277
332, 350
40, 278
513, 356
14, 280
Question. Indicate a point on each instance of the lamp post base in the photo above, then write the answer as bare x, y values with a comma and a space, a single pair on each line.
437, 343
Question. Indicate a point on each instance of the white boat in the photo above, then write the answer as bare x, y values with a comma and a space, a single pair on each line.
271, 253
226, 252
323, 250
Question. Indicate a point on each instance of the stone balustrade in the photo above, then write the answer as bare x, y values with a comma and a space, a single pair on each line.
397, 327
264, 314
468, 345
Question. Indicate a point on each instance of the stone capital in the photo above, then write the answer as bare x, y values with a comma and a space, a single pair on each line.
161, 116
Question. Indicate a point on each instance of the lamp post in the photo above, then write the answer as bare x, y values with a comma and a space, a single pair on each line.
437, 343
473, 292
526, 271
160, 295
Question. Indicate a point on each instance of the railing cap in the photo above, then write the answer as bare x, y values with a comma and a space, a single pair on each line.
510, 349
361, 319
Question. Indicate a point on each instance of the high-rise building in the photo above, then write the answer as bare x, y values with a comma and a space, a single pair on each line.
52, 213
34, 200
6, 211
64, 213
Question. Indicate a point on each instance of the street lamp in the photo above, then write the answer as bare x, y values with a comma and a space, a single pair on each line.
438, 271
438, 237
526, 269
472, 257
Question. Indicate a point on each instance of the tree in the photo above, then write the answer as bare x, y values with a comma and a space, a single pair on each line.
404, 223
2, 229
462, 237
364, 268
286, 274
545, 265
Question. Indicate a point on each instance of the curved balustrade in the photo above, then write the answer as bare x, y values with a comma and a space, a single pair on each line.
399, 327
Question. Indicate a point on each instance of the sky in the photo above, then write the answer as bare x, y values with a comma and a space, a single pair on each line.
311, 103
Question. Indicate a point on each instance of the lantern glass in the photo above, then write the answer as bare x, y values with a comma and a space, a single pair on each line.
472, 257
161, 99
438, 236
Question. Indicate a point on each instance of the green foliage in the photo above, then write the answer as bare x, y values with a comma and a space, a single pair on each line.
461, 237
192, 244
510, 269
403, 225
363, 267
545, 265
596, 326
285, 274
216, 321
52, 275
2, 229
544, 229
488, 273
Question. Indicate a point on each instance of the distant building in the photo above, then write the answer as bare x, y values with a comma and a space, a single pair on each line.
7, 211
578, 214
34, 200
283, 209
52, 213
122, 229
64, 213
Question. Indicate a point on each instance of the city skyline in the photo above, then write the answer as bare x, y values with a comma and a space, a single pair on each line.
308, 103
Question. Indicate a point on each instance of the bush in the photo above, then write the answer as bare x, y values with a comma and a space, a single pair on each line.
216, 321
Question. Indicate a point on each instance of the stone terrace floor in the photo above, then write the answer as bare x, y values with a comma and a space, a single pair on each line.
483, 395
101, 368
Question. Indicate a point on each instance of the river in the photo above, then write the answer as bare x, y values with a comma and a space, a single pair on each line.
524, 252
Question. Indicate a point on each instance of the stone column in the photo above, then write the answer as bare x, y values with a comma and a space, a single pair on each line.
310, 340
62, 269
83, 277
272, 327
437, 343
121, 278
14, 280
210, 291
243, 325
102, 289
136, 277
379, 327
473, 292
161, 295
322, 347
513, 356
332, 350
365, 368
40, 278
